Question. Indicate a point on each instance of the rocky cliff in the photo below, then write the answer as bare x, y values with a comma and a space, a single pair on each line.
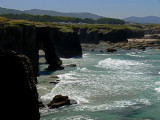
67, 44
19, 97
120, 35
87, 35
95, 35
25, 39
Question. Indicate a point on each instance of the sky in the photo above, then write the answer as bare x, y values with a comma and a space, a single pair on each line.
107, 8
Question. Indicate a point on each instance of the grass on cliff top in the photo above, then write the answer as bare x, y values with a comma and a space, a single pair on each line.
20, 22
3, 19
95, 27
72, 27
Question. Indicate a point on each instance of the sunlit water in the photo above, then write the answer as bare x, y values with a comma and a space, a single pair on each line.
121, 86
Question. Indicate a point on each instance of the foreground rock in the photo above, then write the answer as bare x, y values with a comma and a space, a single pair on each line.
59, 101
19, 93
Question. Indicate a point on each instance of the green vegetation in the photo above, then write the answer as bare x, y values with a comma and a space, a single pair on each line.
47, 18
3, 19
76, 27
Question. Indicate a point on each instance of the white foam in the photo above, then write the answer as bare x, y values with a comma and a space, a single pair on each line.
67, 76
157, 89
157, 83
133, 54
118, 64
102, 54
85, 55
77, 117
159, 73
135, 104
41, 87
83, 69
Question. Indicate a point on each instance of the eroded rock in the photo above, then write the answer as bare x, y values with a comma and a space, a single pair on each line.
59, 101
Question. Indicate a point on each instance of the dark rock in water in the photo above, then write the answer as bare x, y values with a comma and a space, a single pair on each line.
20, 97
101, 51
45, 35
111, 50
141, 48
55, 82
41, 105
59, 101
71, 65
52, 68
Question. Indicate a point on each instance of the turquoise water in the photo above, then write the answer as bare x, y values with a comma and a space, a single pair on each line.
121, 86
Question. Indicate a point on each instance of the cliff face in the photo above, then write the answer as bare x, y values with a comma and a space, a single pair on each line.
67, 44
120, 35
87, 35
45, 36
25, 39
19, 94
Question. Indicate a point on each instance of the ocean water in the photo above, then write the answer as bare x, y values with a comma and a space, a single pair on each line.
120, 86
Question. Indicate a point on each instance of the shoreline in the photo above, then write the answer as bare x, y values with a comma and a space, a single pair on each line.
103, 46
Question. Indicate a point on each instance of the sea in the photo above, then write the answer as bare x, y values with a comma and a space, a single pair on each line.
107, 86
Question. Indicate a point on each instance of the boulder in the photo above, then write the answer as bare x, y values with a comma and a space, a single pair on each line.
59, 101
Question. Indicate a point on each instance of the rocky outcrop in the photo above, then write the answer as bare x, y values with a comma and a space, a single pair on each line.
87, 35
59, 101
45, 37
94, 36
120, 35
22, 39
153, 30
25, 39
19, 94
67, 44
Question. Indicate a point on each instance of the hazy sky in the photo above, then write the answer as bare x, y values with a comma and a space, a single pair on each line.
107, 8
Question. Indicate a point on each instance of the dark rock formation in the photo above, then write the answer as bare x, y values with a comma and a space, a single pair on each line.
88, 36
59, 101
45, 35
67, 44
111, 50
120, 35
25, 39
71, 65
41, 105
22, 39
19, 94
